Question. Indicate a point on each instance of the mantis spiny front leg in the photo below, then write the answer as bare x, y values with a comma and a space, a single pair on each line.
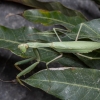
28, 69
22, 62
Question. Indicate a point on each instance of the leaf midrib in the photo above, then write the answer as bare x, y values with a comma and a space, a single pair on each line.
50, 19
66, 83
10, 41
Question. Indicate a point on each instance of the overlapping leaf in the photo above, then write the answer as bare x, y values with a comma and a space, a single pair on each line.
51, 6
50, 18
68, 83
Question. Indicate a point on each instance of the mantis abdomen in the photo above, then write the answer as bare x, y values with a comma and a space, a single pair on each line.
68, 47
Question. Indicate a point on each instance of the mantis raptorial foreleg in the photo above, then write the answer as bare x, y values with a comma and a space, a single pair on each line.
23, 62
25, 71
28, 69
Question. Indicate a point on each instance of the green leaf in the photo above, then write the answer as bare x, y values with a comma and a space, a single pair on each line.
11, 38
51, 18
51, 6
68, 83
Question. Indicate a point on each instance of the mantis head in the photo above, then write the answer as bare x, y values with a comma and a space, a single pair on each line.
23, 47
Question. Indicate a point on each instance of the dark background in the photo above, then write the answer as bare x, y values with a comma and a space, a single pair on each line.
11, 91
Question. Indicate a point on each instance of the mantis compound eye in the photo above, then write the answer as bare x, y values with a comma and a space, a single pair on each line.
23, 47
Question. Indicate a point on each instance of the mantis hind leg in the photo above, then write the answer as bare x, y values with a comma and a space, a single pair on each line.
79, 31
78, 36
88, 57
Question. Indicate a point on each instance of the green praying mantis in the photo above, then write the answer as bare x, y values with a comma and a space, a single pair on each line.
61, 47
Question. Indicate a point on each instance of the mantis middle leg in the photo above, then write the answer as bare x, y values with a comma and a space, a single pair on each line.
48, 68
57, 35
79, 31
88, 57
54, 59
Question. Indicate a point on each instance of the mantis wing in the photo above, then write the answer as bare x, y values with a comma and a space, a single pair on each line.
75, 46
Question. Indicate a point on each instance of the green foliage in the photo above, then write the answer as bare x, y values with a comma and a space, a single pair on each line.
50, 18
50, 6
64, 83
68, 83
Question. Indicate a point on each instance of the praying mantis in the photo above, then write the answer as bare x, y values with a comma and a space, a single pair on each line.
61, 47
